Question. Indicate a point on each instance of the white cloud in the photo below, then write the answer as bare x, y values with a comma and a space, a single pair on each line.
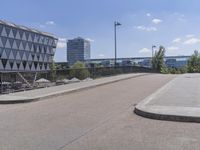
91, 40
157, 21
50, 23
190, 35
192, 41
42, 26
149, 29
172, 48
182, 18
148, 15
177, 40
145, 50
62, 43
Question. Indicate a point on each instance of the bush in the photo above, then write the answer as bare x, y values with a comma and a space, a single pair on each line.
166, 70
183, 70
194, 63
79, 71
158, 59
53, 71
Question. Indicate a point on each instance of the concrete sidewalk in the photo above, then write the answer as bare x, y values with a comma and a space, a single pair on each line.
39, 94
179, 100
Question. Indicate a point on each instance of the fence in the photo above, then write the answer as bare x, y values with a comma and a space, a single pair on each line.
11, 83
103, 71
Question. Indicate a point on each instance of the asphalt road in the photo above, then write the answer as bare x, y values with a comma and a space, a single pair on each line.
101, 118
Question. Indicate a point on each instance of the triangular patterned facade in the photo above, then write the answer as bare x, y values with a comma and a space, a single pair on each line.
23, 49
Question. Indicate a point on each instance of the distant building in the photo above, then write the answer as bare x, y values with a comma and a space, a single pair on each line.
170, 61
146, 63
78, 49
176, 63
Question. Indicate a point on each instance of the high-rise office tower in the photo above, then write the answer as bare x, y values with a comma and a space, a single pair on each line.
78, 49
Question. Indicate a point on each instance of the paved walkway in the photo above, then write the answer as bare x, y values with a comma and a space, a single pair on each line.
38, 94
179, 100
99, 118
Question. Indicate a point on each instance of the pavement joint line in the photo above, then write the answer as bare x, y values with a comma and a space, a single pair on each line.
95, 127
64, 92
159, 91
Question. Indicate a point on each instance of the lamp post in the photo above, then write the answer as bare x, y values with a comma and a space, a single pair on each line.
115, 32
153, 46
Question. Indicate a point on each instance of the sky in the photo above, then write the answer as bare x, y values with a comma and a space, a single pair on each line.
174, 24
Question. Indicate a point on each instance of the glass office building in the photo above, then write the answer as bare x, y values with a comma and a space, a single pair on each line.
78, 49
24, 49
170, 61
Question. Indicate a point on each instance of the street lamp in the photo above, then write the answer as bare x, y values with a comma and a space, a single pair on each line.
153, 46
153, 50
115, 30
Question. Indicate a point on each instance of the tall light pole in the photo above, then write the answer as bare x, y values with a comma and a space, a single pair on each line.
115, 31
153, 46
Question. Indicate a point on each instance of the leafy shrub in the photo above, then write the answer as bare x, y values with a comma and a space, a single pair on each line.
194, 63
79, 71
158, 59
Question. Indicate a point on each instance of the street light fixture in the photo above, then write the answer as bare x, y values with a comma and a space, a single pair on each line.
115, 30
153, 46
153, 50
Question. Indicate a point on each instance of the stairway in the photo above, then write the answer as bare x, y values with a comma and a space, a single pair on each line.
21, 76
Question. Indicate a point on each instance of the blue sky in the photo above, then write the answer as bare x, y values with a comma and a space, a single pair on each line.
174, 24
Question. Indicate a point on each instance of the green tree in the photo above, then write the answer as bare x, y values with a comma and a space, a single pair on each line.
53, 71
194, 62
158, 59
79, 71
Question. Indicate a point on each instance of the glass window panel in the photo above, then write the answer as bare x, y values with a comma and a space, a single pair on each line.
3, 39
14, 32
7, 31
20, 33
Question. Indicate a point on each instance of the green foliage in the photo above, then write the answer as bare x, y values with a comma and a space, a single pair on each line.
79, 71
183, 70
158, 59
53, 71
166, 70
194, 63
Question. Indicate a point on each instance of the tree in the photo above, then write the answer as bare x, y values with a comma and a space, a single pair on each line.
158, 59
53, 71
194, 62
79, 71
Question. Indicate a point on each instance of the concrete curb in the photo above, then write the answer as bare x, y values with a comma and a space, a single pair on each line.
167, 113
166, 117
43, 97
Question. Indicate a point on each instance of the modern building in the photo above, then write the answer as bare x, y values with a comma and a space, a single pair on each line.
78, 49
170, 61
176, 63
24, 49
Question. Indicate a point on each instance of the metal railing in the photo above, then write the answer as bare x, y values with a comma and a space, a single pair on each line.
97, 72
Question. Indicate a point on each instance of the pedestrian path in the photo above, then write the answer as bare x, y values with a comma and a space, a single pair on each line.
179, 100
44, 93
